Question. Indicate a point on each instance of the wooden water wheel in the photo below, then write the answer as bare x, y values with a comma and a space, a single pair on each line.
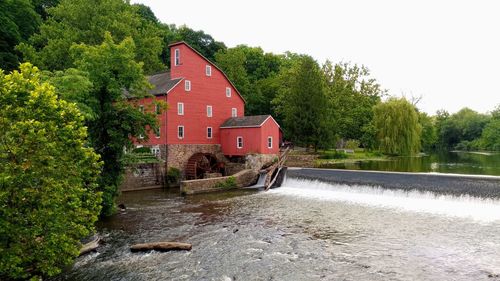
201, 163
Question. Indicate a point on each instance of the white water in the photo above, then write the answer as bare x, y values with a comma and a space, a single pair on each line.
465, 206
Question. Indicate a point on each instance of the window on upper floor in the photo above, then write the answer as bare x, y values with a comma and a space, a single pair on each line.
208, 70
239, 142
228, 92
209, 111
269, 142
209, 132
180, 132
234, 112
157, 109
187, 85
180, 108
157, 133
177, 58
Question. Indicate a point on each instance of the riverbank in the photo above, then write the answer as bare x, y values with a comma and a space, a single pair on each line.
326, 158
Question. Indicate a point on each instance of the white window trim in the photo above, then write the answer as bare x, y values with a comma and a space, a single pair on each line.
238, 143
187, 85
159, 133
269, 139
208, 70
211, 133
177, 57
234, 112
210, 111
183, 132
141, 108
228, 92
180, 108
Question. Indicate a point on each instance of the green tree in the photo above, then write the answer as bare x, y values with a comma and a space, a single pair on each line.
464, 127
302, 104
48, 178
490, 137
352, 94
86, 21
429, 134
111, 69
18, 21
398, 129
255, 75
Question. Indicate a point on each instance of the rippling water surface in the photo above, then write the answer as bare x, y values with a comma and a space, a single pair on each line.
305, 230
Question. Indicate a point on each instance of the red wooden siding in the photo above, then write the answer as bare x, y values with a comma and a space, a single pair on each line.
162, 118
205, 90
254, 139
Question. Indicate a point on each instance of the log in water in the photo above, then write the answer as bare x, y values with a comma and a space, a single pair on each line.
161, 246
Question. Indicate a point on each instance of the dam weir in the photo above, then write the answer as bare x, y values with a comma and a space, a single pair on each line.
313, 227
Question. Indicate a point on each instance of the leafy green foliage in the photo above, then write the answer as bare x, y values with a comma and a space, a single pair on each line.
352, 95
173, 176
48, 178
18, 21
255, 75
86, 22
110, 69
303, 105
490, 137
429, 134
398, 129
230, 182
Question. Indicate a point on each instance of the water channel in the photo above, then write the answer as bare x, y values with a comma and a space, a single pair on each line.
305, 230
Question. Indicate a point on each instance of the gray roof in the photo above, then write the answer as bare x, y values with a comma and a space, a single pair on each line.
246, 121
162, 83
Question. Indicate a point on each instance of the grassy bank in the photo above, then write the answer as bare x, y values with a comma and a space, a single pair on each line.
322, 158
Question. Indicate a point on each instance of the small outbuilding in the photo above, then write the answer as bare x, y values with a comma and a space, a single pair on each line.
250, 134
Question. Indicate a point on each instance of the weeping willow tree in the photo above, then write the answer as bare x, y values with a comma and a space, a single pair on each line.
398, 128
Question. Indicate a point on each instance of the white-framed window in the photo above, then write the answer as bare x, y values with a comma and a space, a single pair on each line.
141, 108
157, 133
209, 111
177, 60
208, 70
187, 85
180, 132
228, 92
269, 142
141, 136
234, 112
180, 108
239, 142
209, 132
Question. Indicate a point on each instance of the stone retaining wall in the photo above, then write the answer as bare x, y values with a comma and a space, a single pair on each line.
243, 178
143, 176
179, 154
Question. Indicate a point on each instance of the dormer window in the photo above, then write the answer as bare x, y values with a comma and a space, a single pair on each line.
187, 85
208, 70
177, 57
228, 92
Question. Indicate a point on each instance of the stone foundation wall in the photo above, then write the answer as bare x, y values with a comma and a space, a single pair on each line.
243, 178
143, 176
179, 154
257, 161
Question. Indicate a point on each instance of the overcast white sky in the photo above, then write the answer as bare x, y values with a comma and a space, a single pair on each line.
446, 51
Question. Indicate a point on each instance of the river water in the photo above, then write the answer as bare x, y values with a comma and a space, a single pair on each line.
305, 230
455, 162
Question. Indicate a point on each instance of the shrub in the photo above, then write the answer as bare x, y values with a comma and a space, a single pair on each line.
173, 176
48, 178
333, 155
230, 182
352, 144
143, 149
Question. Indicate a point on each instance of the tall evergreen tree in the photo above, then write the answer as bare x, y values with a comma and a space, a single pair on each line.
303, 105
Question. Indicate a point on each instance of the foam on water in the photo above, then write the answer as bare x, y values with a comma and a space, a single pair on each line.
465, 206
